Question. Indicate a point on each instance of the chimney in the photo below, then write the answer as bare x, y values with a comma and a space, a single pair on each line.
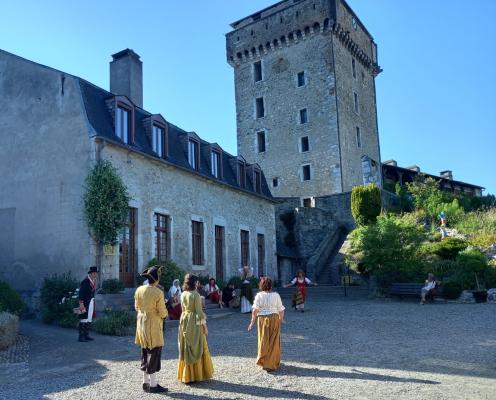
126, 76
447, 174
415, 168
394, 163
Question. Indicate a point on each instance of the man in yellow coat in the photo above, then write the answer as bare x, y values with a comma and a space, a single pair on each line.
149, 302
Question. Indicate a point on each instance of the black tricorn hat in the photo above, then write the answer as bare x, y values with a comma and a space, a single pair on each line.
152, 273
92, 269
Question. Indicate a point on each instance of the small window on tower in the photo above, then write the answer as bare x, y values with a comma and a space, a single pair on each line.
257, 71
305, 146
355, 97
354, 24
275, 182
261, 142
260, 107
306, 173
303, 116
353, 68
358, 137
301, 79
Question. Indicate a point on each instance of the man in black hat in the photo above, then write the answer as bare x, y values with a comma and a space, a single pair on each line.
87, 304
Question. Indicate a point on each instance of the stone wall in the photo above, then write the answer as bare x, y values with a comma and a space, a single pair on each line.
184, 196
44, 158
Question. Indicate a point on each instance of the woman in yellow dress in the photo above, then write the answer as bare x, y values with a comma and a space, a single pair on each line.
195, 363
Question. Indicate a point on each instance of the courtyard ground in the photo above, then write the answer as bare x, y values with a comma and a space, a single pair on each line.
337, 349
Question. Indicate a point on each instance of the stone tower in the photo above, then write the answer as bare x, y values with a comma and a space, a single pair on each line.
304, 74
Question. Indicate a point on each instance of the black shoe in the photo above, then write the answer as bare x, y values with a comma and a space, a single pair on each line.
158, 389
88, 339
86, 330
146, 387
82, 336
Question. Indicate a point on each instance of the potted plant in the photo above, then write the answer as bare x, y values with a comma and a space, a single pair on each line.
480, 295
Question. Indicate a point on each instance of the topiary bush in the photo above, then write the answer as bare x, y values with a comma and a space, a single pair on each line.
365, 204
471, 262
112, 286
115, 323
58, 298
10, 300
448, 248
452, 290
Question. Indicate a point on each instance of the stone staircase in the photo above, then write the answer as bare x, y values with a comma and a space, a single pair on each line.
332, 271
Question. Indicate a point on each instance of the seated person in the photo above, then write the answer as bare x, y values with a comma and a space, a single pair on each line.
230, 297
174, 303
214, 294
430, 286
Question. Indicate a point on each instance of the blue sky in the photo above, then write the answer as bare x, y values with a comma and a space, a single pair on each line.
436, 96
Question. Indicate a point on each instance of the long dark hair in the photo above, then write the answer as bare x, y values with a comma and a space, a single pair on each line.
190, 282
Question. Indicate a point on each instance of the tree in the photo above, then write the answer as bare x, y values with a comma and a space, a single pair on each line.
365, 204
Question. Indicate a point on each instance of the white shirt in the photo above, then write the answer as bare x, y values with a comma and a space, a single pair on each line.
268, 303
307, 281
211, 289
175, 291
429, 285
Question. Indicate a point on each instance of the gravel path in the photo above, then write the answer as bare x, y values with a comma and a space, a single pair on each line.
354, 349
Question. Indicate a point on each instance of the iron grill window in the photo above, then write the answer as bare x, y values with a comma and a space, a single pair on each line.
245, 248
197, 242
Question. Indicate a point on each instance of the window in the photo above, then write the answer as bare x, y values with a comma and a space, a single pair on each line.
355, 97
261, 142
162, 250
261, 254
258, 181
241, 174
245, 248
275, 182
260, 108
193, 154
305, 146
354, 23
215, 159
257, 71
301, 79
197, 242
306, 172
358, 137
353, 68
123, 124
303, 116
159, 141
307, 203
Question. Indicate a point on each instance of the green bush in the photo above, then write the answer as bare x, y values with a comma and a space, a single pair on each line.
365, 204
388, 249
112, 286
115, 323
426, 197
448, 248
451, 290
453, 212
480, 227
58, 298
10, 300
471, 263
170, 271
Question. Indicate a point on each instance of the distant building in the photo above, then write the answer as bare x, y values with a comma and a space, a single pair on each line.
192, 202
393, 174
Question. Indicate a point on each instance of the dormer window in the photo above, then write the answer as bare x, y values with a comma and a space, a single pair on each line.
194, 154
257, 181
241, 174
216, 163
159, 141
123, 123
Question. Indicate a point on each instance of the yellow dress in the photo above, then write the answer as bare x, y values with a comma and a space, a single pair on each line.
150, 304
195, 363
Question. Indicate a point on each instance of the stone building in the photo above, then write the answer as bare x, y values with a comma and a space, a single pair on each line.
192, 202
304, 73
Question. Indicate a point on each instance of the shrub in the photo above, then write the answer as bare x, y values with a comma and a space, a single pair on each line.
106, 203
388, 249
426, 197
365, 204
451, 290
112, 286
8, 329
115, 323
480, 227
10, 300
471, 263
448, 248
58, 298
453, 212
170, 271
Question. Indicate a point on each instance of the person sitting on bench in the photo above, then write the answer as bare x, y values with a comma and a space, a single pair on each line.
430, 285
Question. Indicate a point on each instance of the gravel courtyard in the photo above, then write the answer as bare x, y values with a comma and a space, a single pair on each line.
337, 349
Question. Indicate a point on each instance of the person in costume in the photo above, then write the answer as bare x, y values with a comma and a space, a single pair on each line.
149, 302
195, 363
214, 294
300, 294
246, 291
174, 303
87, 309
230, 297
269, 313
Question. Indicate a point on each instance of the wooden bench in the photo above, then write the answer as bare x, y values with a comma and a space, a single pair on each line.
414, 289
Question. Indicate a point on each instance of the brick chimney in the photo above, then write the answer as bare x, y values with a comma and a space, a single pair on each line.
447, 174
126, 76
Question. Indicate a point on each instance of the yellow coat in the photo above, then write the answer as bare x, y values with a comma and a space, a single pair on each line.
149, 302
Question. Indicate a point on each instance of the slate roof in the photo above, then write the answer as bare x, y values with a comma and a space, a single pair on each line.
95, 101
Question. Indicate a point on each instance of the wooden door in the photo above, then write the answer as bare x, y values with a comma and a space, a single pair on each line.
219, 252
261, 254
128, 250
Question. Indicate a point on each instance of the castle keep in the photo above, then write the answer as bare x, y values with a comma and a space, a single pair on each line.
304, 74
